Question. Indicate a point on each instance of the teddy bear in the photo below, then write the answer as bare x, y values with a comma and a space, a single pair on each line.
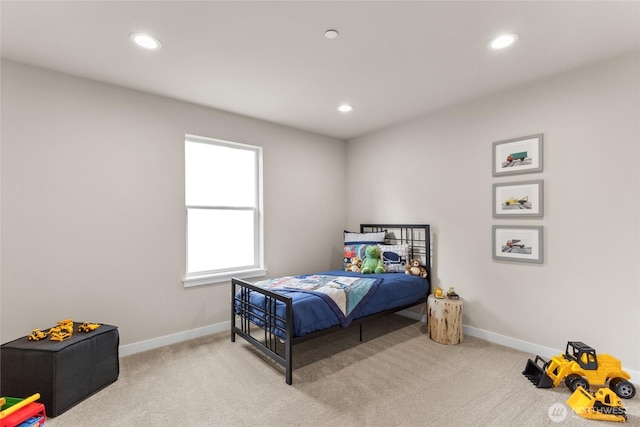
354, 265
414, 268
372, 262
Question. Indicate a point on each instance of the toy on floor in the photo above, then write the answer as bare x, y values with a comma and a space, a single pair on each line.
602, 405
88, 327
580, 366
18, 412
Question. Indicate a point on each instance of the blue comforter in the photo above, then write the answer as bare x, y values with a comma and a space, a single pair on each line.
313, 312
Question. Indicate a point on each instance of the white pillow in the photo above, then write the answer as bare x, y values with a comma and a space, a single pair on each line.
372, 237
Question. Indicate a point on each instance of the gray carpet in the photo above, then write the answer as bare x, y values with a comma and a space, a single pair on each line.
396, 377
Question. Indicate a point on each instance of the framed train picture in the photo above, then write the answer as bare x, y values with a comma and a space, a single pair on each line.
517, 243
518, 155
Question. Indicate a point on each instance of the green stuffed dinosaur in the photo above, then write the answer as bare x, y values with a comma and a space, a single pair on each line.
372, 262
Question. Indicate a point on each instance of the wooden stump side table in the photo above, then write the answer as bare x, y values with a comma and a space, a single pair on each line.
444, 318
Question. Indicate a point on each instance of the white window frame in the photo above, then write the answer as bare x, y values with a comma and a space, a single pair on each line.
224, 275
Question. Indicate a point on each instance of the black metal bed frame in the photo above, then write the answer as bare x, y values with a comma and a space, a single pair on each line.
244, 313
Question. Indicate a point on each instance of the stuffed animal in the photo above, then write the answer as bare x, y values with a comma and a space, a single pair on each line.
372, 262
354, 265
414, 268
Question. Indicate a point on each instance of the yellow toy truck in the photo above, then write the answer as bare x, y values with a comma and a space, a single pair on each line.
37, 335
88, 327
580, 366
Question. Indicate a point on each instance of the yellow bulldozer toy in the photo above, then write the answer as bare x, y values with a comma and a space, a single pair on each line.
580, 366
602, 405
63, 331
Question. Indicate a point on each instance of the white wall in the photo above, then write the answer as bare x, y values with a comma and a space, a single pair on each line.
92, 205
437, 169
92, 220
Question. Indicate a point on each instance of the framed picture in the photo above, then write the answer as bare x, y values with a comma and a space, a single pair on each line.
517, 243
519, 155
518, 199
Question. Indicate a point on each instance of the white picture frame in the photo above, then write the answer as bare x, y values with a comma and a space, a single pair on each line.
514, 200
518, 155
518, 243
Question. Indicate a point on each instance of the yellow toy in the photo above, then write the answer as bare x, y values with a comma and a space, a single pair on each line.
37, 335
88, 327
579, 366
437, 292
63, 331
415, 269
15, 407
603, 405
66, 325
58, 334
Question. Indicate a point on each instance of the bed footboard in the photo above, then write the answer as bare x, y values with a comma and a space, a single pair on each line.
274, 327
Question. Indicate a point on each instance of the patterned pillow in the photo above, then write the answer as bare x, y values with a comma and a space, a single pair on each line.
395, 257
354, 249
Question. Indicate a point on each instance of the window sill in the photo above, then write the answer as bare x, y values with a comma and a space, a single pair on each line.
210, 279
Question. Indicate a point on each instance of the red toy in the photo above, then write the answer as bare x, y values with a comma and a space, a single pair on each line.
22, 412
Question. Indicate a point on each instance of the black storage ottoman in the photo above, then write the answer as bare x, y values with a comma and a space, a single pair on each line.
64, 373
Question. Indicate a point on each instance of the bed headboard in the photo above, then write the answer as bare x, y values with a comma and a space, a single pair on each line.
417, 236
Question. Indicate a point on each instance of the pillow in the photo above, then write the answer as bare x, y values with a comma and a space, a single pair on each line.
354, 249
373, 237
394, 257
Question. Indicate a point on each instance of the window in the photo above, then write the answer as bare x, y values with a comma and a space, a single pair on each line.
223, 203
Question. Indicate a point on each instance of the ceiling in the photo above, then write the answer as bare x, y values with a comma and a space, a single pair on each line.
270, 60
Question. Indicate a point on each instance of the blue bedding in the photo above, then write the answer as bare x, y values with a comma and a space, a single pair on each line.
313, 312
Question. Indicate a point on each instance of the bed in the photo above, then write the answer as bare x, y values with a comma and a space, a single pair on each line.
275, 314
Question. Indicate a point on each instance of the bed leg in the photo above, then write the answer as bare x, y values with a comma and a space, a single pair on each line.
289, 375
289, 359
233, 312
289, 356
289, 341
360, 328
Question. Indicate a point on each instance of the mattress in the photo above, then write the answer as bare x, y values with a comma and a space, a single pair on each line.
313, 312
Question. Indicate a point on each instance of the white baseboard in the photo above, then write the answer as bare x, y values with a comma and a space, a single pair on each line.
527, 347
128, 349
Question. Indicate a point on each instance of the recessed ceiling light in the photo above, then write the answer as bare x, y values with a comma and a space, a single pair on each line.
345, 108
331, 34
503, 41
146, 41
